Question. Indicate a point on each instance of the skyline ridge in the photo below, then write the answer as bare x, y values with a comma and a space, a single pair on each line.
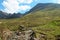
14, 6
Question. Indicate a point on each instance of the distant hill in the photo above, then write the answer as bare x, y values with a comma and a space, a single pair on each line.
38, 7
44, 7
3, 14
43, 18
15, 15
42, 13
6, 15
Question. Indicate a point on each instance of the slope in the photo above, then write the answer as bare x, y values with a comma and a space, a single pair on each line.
46, 21
45, 7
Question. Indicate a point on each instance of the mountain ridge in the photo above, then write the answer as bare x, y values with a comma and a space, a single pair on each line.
4, 15
44, 6
46, 21
39, 7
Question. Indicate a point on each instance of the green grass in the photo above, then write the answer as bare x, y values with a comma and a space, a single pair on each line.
47, 22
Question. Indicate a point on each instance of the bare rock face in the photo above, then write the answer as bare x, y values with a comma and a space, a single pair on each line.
6, 34
20, 34
30, 35
24, 35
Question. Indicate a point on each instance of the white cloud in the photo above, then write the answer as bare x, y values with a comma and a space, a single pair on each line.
12, 6
25, 1
25, 7
58, 1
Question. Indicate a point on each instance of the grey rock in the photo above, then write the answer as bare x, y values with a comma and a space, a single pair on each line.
20, 35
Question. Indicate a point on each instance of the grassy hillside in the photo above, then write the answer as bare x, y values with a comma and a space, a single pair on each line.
41, 21
47, 22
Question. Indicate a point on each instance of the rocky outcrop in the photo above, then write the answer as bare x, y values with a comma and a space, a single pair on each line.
24, 35
20, 34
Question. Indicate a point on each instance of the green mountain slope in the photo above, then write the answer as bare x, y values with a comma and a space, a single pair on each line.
44, 7
42, 21
47, 22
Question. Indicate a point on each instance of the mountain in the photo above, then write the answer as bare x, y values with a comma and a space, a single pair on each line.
41, 14
3, 14
38, 7
44, 7
15, 15
6, 15
44, 19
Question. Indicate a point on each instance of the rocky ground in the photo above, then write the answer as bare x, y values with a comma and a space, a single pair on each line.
24, 34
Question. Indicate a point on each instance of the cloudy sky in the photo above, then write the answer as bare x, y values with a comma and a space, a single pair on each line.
15, 6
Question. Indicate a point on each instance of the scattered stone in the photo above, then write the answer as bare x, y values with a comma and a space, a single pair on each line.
43, 36
19, 35
21, 28
30, 35
58, 37
0, 22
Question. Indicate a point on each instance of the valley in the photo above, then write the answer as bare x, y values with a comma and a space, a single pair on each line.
43, 19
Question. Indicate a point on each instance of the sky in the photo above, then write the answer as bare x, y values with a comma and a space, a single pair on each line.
22, 6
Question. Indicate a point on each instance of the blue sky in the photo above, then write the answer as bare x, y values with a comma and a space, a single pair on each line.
22, 6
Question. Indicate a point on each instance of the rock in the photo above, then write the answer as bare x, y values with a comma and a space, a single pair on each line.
0, 22
30, 35
57, 37
7, 34
20, 35
21, 28
43, 36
